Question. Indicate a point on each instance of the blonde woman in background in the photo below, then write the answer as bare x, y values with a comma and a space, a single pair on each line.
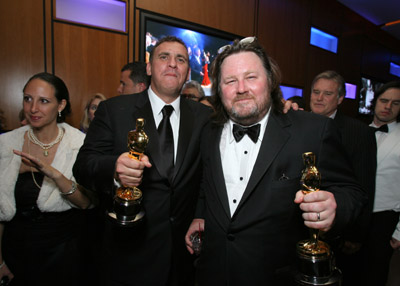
89, 111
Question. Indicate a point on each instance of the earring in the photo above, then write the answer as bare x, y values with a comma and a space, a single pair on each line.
59, 114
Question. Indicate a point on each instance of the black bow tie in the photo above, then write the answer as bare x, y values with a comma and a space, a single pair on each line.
240, 131
383, 128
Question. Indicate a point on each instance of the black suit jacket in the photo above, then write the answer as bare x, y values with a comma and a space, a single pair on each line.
155, 252
359, 142
257, 245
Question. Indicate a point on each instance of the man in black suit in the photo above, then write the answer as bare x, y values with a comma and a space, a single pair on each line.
327, 93
153, 253
196, 65
250, 207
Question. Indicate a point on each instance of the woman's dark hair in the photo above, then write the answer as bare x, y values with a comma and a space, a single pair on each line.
383, 89
220, 116
60, 91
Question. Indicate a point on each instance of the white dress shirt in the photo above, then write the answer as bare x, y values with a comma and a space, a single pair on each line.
238, 159
387, 193
157, 104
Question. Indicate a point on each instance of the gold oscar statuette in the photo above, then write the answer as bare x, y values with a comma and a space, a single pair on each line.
127, 208
316, 261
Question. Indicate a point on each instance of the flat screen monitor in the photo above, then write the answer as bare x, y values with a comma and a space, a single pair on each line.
203, 42
367, 91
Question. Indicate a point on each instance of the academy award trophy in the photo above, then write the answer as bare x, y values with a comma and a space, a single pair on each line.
127, 208
316, 265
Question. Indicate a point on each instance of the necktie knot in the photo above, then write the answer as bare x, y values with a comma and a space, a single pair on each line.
253, 132
167, 111
383, 128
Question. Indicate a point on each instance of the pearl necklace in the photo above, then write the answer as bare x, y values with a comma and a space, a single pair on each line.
42, 145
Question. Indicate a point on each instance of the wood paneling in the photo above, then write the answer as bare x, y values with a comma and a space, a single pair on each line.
283, 29
89, 61
21, 52
233, 16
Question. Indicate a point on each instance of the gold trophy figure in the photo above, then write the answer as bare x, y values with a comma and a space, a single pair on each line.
127, 200
316, 262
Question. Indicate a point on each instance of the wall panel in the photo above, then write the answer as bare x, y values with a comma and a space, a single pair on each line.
283, 29
21, 53
89, 61
234, 16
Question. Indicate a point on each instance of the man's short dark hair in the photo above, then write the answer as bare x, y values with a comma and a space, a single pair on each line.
220, 115
138, 72
383, 89
164, 40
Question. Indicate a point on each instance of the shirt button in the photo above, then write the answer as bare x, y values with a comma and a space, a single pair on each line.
234, 201
241, 178
245, 152
231, 237
172, 219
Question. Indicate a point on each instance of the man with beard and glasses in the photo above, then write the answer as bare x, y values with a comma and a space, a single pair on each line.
250, 207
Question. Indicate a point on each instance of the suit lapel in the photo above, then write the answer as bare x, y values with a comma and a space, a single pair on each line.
217, 172
186, 124
387, 146
274, 139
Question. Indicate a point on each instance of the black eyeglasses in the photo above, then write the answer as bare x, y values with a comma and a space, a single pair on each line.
247, 40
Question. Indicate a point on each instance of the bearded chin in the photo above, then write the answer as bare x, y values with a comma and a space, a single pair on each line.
244, 116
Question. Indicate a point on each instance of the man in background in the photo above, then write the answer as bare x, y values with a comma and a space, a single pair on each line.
384, 232
193, 90
196, 65
327, 93
134, 78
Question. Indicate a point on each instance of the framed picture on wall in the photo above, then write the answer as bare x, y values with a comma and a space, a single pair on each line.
202, 42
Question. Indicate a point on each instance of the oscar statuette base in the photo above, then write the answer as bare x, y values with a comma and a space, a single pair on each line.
316, 265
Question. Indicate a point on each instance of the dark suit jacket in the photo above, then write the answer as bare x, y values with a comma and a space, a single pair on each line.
257, 245
155, 252
359, 142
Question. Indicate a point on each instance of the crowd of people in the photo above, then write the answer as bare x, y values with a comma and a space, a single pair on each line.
232, 174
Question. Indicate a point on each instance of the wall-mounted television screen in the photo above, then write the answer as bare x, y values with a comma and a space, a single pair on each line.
367, 91
202, 42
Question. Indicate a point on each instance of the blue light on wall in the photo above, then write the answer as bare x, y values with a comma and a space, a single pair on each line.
395, 69
288, 91
109, 14
323, 40
351, 91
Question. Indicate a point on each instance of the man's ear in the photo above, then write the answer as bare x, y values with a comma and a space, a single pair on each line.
148, 68
340, 100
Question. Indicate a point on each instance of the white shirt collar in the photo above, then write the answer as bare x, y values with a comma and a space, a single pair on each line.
157, 104
333, 114
391, 126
